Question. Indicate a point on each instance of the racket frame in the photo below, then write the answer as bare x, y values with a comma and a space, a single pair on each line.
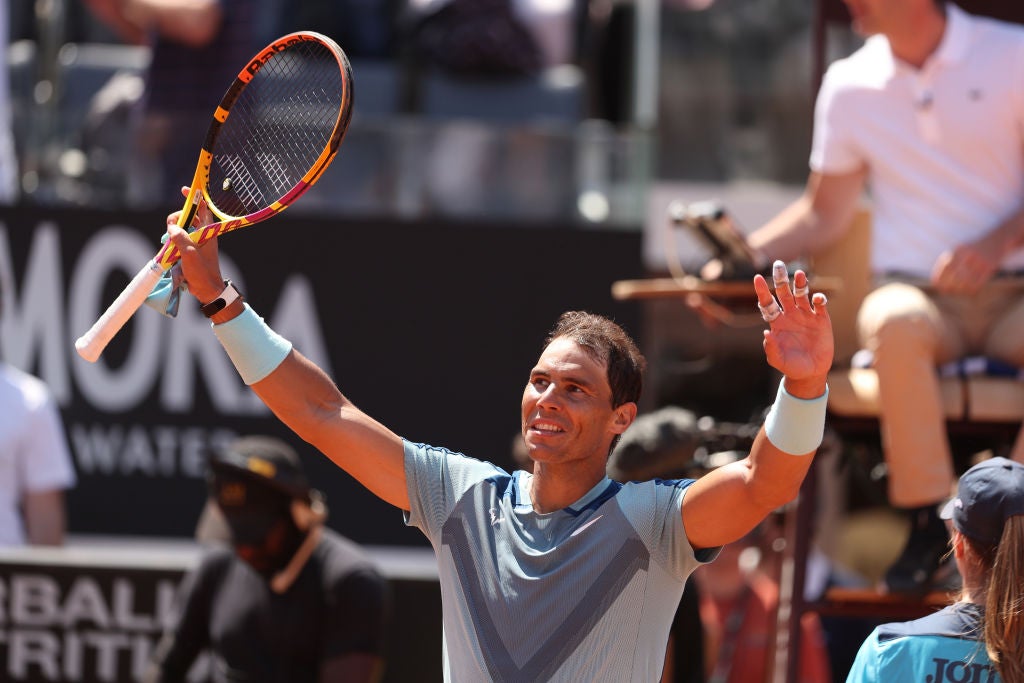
91, 344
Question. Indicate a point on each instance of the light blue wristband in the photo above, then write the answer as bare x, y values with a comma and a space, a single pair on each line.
254, 348
796, 425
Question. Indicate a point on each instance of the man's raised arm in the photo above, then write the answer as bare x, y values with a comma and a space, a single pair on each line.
298, 392
728, 502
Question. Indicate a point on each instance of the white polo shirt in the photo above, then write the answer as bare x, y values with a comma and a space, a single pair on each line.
33, 449
943, 145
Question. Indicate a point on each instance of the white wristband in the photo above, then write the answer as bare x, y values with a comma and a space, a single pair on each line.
796, 425
254, 348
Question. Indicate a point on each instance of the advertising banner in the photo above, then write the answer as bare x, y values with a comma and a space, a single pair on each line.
63, 621
95, 614
430, 328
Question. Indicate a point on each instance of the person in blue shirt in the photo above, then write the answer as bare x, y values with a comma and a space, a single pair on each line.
979, 638
559, 573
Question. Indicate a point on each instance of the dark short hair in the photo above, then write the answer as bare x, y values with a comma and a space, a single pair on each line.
608, 343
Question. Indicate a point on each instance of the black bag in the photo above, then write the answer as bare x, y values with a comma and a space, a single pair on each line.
477, 38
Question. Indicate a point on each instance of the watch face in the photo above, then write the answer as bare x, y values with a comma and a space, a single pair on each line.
214, 307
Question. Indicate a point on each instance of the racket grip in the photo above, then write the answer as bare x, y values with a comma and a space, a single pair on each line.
91, 344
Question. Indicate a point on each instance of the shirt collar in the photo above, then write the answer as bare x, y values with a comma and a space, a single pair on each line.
591, 495
957, 37
520, 477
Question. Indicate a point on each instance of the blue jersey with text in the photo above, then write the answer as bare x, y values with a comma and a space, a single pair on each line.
945, 647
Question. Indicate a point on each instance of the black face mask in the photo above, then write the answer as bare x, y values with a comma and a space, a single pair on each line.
259, 518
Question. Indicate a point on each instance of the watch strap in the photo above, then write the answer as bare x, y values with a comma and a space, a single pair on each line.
228, 296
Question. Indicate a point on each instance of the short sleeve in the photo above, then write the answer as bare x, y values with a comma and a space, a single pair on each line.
46, 460
436, 478
833, 147
654, 509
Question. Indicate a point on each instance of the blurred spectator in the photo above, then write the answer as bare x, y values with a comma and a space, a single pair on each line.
365, 29
291, 601
35, 464
492, 38
928, 116
980, 637
504, 85
733, 98
198, 47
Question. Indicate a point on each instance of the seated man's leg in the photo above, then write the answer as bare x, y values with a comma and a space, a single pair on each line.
909, 337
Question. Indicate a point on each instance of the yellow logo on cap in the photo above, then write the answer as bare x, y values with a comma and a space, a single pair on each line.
261, 467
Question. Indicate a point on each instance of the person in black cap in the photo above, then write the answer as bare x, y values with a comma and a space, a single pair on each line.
981, 636
289, 600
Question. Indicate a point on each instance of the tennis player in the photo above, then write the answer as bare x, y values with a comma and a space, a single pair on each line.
559, 574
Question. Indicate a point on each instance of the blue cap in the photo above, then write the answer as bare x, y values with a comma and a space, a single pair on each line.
988, 494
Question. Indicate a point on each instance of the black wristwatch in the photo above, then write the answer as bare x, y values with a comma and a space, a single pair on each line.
227, 297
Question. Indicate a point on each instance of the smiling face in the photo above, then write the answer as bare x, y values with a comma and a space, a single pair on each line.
567, 411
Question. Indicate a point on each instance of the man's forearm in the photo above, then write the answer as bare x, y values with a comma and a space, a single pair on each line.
190, 22
787, 235
818, 218
44, 517
111, 13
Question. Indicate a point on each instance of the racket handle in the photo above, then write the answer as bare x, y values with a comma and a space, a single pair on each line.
91, 344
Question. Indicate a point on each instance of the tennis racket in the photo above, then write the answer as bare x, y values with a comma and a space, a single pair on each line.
274, 133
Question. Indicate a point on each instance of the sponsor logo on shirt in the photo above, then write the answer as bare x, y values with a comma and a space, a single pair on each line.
955, 671
580, 530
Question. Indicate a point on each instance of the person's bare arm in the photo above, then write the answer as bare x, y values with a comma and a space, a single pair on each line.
189, 22
816, 219
302, 396
43, 512
725, 504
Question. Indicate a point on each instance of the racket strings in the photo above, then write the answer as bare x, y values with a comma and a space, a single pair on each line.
277, 129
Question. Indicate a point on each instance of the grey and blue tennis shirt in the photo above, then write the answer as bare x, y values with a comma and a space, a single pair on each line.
586, 593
